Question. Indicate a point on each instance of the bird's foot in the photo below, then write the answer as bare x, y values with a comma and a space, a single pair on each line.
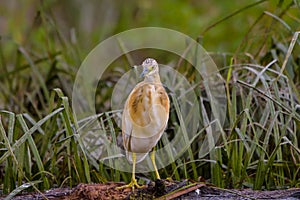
132, 184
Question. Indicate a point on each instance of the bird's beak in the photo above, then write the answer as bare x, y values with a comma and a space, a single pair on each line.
145, 71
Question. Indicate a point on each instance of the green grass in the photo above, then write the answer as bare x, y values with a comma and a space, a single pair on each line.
42, 144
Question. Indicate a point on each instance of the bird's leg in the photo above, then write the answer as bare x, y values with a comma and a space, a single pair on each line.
133, 180
152, 156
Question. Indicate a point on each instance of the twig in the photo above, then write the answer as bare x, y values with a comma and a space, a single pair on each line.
181, 191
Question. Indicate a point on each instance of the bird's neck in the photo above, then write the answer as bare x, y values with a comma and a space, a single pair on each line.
154, 78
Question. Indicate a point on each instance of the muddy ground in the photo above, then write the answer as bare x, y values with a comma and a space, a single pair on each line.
160, 189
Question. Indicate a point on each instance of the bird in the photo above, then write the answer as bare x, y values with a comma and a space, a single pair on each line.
145, 118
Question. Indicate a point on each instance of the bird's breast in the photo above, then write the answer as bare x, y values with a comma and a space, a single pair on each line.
147, 103
145, 117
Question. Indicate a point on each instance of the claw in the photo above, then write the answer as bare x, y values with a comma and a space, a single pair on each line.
131, 185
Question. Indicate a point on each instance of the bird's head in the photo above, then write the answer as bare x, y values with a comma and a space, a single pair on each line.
150, 67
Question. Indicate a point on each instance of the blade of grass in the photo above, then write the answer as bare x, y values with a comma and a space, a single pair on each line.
34, 150
20, 189
184, 134
166, 141
26, 135
10, 171
36, 72
232, 15
10, 176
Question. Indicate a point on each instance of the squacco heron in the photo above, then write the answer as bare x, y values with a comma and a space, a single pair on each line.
145, 117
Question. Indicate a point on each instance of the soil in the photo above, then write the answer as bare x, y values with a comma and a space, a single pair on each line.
160, 189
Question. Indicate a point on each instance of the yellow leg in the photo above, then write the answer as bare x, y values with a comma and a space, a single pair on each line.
133, 180
152, 156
